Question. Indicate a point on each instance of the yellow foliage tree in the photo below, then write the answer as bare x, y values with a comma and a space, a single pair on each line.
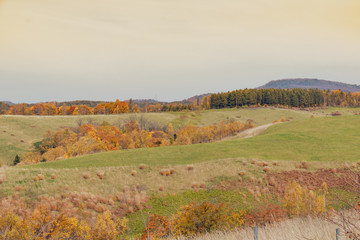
299, 201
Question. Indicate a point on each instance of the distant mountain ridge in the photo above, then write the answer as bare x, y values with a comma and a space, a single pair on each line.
194, 98
311, 83
8, 103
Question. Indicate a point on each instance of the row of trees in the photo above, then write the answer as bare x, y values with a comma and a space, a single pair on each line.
51, 109
116, 107
90, 138
286, 97
296, 97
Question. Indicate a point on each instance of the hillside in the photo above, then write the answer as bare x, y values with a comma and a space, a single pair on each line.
14, 129
311, 83
4, 107
86, 182
296, 140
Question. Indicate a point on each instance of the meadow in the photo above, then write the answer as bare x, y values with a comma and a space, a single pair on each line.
200, 172
19, 133
315, 139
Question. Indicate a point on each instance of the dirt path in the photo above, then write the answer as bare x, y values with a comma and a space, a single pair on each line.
252, 132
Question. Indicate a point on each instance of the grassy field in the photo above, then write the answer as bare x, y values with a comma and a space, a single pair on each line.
325, 142
316, 139
150, 178
22, 131
260, 116
177, 188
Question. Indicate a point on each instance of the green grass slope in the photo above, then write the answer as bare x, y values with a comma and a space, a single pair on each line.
32, 128
260, 116
316, 139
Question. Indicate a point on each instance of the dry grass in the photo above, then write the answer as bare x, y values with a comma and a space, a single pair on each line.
307, 228
116, 178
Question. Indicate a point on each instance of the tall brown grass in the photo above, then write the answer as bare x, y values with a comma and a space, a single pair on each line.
293, 229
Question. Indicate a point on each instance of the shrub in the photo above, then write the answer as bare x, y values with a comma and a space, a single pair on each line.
9, 223
267, 214
299, 201
41, 223
335, 114
165, 172
196, 218
106, 228
189, 167
261, 164
272, 181
100, 174
17, 160
195, 185
157, 227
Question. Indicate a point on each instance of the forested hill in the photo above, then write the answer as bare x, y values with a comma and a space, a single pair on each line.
311, 83
4, 107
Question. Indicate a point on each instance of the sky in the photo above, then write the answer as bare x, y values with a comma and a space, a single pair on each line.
168, 50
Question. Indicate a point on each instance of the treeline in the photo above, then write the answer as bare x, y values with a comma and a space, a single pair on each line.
297, 97
4, 108
117, 107
90, 138
285, 97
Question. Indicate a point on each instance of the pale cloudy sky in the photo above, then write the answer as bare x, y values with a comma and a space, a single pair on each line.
171, 49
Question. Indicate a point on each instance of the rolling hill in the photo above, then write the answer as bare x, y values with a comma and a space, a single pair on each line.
18, 133
311, 83
307, 139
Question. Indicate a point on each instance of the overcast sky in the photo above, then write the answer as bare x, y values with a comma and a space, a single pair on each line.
171, 49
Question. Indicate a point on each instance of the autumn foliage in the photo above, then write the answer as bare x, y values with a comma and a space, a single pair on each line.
299, 201
41, 223
263, 215
90, 138
157, 227
116, 107
198, 218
